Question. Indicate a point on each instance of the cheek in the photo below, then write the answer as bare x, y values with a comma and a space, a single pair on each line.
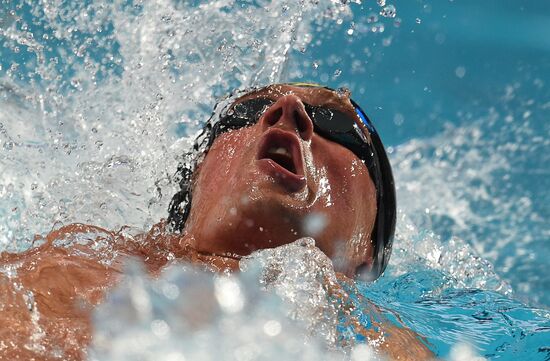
352, 192
352, 186
226, 159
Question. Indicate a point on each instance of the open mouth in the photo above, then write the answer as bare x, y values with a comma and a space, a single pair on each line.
280, 156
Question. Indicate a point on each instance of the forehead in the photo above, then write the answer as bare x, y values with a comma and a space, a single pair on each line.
317, 96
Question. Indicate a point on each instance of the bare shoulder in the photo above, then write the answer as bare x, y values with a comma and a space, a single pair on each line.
48, 292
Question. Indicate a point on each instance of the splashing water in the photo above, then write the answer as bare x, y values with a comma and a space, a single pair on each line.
110, 87
306, 313
186, 312
98, 101
490, 165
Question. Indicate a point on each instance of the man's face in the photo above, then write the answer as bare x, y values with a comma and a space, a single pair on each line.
271, 183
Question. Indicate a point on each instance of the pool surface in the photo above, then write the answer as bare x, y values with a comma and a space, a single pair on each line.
98, 101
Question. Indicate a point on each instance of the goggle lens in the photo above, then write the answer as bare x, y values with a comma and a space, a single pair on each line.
329, 123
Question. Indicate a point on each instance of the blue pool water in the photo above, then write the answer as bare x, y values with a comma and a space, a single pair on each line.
97, 101
464, 68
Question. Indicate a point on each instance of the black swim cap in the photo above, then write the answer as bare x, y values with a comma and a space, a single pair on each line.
373, 155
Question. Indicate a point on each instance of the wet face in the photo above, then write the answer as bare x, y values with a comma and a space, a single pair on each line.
278, 180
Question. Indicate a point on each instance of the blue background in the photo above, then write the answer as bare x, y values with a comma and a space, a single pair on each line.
412, 90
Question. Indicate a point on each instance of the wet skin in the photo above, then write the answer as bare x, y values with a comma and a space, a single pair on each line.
244, 199
67, 282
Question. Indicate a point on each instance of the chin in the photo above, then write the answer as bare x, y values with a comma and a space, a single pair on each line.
244, 237
253, 212
259, 223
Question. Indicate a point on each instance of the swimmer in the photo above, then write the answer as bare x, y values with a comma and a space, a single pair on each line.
266, 163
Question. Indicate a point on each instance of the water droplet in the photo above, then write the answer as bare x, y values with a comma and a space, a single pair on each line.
397, 22
170, 290
8, 145
343, 92
229, 295
272, 328
388, 11
418, 20
337, 73
81, 51
381, 2
314, 224
362, 352
377, 28
315, 65
160, 328
75, 83
372, 18
398, 119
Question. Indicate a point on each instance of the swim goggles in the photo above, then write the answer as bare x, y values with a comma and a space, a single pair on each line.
329, 123
361, 138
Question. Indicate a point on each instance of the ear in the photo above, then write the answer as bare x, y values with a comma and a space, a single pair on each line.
180, 205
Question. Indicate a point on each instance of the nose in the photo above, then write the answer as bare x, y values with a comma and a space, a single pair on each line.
289, 113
